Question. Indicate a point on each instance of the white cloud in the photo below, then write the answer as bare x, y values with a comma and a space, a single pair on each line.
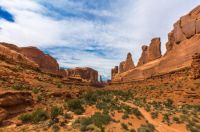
131, 24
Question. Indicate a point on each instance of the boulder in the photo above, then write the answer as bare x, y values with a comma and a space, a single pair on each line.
86, 74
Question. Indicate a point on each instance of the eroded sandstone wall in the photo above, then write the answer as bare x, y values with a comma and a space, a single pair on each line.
45, 62
183, 42
86, 74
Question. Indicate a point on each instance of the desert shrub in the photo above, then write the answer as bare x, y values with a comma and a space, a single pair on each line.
146, 128
55, 111
147, 107
90, 97
125, 115
169, 103
132, 130
157, 105
176, 119
98, 119
166, 118
56, 128
35, 117
75, 106
36, 90
39, 115
124, 126
59, 85
154, 115
25, 118
21, 87
101, 119
67, 116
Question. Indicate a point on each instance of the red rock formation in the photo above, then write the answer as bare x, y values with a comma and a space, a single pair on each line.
154, 51
196, 66
144, 57
183, 42
86, 74
121, 67
46, 62
184, 29
114, 71
13, 56
127, 64
151, 52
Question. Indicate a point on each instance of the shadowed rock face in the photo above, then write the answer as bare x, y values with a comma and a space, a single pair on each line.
114, 71
87, 74
183, 42
44, 61
151, 52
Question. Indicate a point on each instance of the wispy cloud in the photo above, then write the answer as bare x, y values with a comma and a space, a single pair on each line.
93, 33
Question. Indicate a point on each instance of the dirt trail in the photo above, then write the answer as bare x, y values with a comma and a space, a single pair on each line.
159, 126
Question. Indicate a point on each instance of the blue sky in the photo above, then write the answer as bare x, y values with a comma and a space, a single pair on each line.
92, 33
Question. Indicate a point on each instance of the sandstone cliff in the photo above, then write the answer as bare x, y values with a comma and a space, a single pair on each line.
151, 52
45, 62
13, 56
85, 74
183, 42
124, 65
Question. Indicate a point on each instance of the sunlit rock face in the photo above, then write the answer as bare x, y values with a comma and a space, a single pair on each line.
183, 42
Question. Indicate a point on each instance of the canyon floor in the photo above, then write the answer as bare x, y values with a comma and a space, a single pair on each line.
31, 100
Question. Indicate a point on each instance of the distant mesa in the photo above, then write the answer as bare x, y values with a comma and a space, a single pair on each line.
183, 42
86, 74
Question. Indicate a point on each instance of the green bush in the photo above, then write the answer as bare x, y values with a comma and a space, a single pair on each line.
75, 106
68, 116
59, 85
56, 128
39, 115
90, 97
146, 128
55, 111
35, 117
169, 103
101, 119
124, 126
132, 130
25, 118
154, 115
125, 116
